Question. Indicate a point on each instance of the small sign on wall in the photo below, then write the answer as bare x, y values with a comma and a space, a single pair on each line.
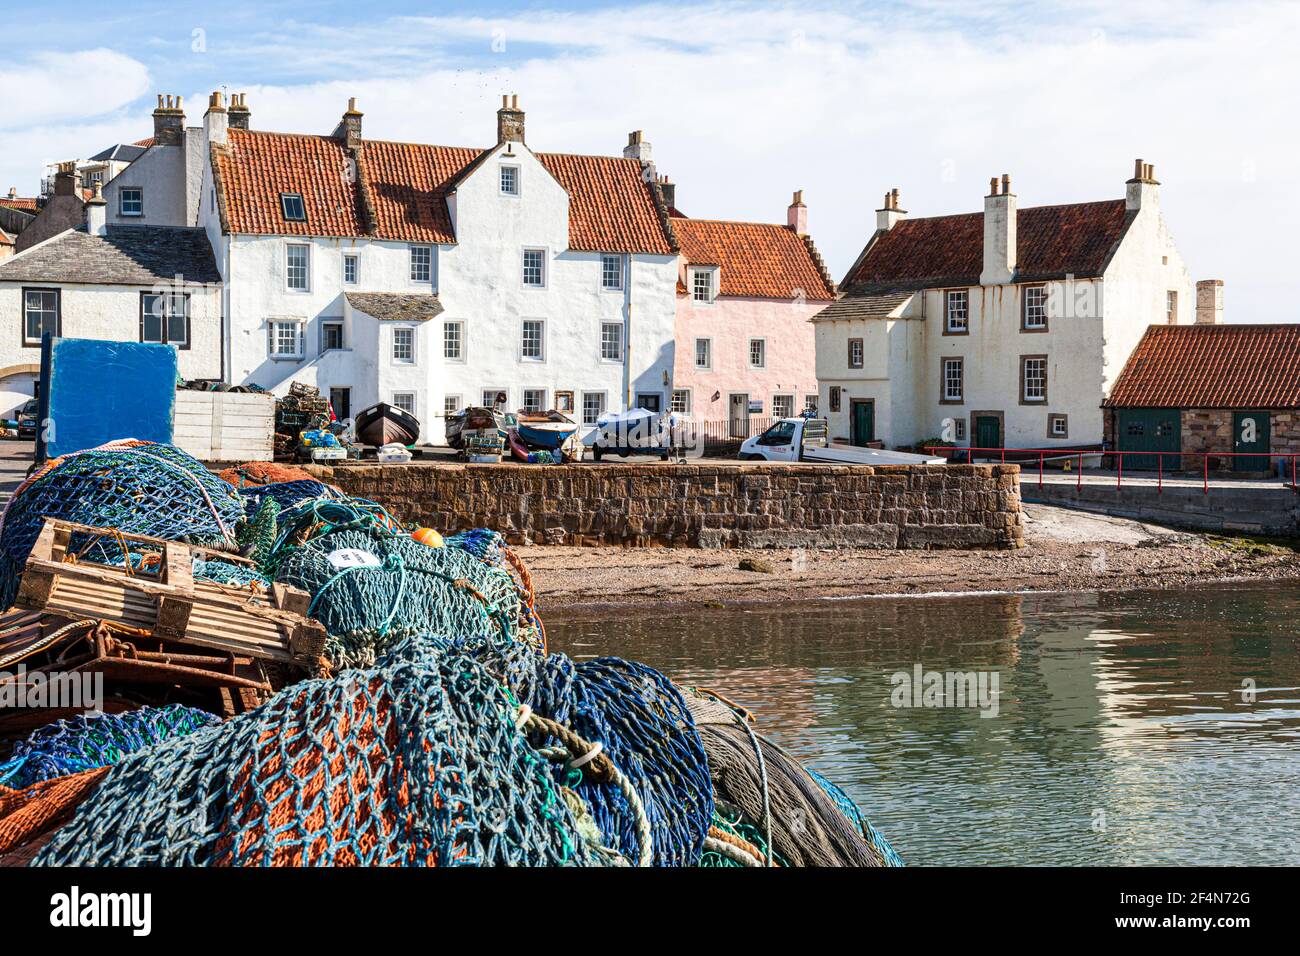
755, 406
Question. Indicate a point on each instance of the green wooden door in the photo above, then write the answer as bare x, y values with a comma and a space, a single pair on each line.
988, 432
1250, 433
1150, 429
864, 422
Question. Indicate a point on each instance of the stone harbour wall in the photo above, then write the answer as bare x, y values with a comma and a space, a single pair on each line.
704, 505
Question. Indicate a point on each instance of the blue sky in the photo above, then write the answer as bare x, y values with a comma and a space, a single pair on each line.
743, 102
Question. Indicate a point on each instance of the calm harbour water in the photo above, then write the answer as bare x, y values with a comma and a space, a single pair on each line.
1122, 735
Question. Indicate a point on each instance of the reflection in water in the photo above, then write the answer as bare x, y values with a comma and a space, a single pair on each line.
1124, 735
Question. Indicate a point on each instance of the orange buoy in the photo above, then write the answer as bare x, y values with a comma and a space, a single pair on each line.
427, 536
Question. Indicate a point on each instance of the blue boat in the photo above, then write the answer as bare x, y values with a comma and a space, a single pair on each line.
549, 431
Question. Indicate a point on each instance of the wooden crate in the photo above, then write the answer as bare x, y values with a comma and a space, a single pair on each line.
225, 426
171, 605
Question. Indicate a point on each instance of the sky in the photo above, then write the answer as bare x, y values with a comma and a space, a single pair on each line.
742, 102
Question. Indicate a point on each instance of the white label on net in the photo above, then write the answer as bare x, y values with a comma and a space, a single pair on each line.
353, 558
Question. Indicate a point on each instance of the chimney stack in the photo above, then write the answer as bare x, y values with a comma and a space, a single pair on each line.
239, 112
668, 191
13, 192
67, 181
1143, 189
999, 233
215, 120
887, 216
796, 217
349, 128
97, 213
169, 121
638, 147
1209, 302
510, 120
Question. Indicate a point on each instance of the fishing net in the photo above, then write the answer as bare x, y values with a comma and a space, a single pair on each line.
100, 740
775, 794
415, 761
370, 587
643, 724
287, 494
882, 847
129, 486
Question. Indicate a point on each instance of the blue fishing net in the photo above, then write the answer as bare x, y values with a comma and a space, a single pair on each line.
875, 839
99, 740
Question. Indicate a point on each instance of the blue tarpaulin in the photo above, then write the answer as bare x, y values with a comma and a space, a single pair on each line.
101, 391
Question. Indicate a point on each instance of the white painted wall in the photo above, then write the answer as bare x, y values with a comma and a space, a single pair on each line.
160, 173
112, 312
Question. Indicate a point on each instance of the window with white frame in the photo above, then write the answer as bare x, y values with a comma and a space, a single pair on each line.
292, 207
510, 180
611, 341
450, 405
532, 344
952, 380
1058, 426
810, 403
681, 401
284, 338
331, 336
1171, 307
1033, 377
704, 353
351, 270
421, 263
130, 201
453, 340
702, 285
297, 267
495, 397
40, 314
534, 274
611, 271
404, 345
782, 406
757, 353
165, 319
956, 310
534, 400
593, 406
959, 429
405, 401
1035, 315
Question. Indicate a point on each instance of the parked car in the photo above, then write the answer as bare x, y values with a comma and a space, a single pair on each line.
27, 419
804, 439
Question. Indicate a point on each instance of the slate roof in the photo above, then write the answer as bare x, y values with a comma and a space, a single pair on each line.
1212, 366
121, 152
864, 305
1051, 242
760, 260
127, 255
405, 187
401, 307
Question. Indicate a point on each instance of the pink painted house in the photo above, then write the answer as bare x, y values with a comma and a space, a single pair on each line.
744, 343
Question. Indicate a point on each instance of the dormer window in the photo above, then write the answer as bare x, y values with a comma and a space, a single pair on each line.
510, 180
292, 206
702, 289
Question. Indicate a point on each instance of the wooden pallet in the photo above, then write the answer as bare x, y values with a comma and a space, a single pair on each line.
171, 605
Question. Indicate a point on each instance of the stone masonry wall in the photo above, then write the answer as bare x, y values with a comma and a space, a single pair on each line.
1209, 430
704, 505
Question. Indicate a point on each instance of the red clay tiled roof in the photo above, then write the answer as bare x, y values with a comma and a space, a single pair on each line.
1212, 366
256, 167
610, 207
1051, 242
756, 259
19, 203
146, 143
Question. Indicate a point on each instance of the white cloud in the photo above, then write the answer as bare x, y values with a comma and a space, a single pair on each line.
746, 103
54, 87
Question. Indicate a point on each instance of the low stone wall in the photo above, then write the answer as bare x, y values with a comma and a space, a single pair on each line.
704, 505
1244, 509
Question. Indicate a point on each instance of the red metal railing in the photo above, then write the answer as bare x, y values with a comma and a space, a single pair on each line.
1021, 456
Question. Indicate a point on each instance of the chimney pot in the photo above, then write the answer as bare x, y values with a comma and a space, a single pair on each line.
993, 186
889, 214
637, 147
239, 112
510, 120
